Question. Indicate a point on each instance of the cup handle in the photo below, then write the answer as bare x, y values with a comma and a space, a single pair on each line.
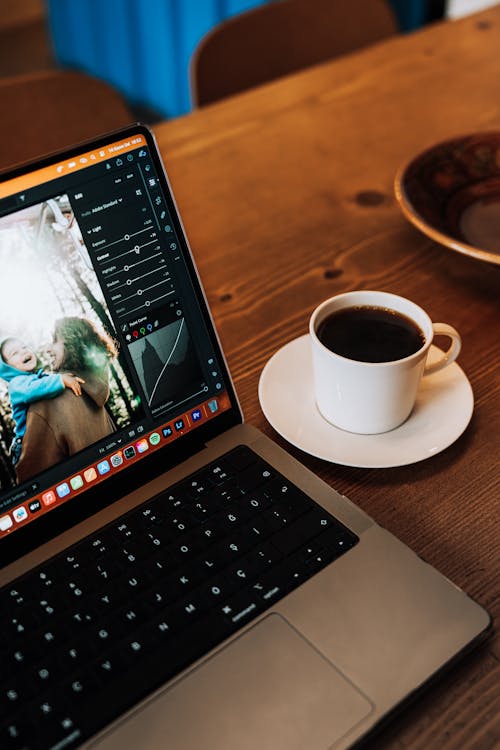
449, 356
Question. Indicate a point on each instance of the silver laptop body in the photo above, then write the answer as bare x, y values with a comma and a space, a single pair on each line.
319, 668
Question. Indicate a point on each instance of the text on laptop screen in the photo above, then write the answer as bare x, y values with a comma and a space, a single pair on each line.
104, 356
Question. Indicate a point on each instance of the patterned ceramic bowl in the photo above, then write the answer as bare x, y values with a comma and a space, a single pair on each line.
451, 192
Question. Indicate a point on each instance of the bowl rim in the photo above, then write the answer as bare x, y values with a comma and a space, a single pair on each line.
416, 218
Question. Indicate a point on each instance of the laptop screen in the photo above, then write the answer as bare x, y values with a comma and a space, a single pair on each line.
107, 352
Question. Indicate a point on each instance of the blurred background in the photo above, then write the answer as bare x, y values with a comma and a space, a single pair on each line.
143, 47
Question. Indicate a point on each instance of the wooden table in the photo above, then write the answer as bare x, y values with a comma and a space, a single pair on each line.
287, 197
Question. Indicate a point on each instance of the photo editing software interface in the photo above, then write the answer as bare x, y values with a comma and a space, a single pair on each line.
105, 356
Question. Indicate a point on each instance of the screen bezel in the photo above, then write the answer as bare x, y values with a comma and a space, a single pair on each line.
60, 519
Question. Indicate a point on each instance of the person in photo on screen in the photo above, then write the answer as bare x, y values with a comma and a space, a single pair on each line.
28, 382
62, 426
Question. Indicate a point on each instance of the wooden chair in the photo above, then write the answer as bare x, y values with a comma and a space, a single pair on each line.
46, 111
281, 37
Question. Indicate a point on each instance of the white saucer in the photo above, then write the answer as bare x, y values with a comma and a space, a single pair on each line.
442, 412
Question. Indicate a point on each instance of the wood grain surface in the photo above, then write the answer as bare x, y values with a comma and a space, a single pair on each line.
286, 193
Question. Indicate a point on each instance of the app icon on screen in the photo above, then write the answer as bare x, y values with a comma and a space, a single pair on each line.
129, 452
142, 446
20, 514
116, 459
63, 489
5, 523
76, 482
48, 498
90, 474
103, 467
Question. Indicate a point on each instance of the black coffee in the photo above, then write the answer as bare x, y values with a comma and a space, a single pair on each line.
370, 334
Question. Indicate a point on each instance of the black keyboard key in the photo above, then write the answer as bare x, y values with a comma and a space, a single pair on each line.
16, 596
241, 573
264, 556
57, 729
165, 503
14, 693
155, 600
218, 472
157, 568
301, 531
179, 523
102, 635
154, 541
107, 668
254, 476
99, 546
215, 590
162, 628
275, 583
42, 584
52, 636
281, 512
255, 503
242, 607
151, 516
73, 562
180, 583
204, 508
210, 532
41, 708
132, 650
133, 552
205, 566
80, 687
105, 570
129, 585
234, 545
186, 548
273, 520
74, 655
105, 601
240, 458
80, 619
17, 733
22, 626
45, 673
294, 501
197, 486
77, 587
232, 516
124, 529
257, 529
22, 654
225, 494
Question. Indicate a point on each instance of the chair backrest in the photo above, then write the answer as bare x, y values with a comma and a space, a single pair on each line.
281, 37
47, 111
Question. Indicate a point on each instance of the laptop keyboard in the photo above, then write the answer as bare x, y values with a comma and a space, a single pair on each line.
92, 631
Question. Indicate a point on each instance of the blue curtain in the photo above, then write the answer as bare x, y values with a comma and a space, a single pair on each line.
143, 47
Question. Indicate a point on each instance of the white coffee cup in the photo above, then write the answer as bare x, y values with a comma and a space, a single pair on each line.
373, 397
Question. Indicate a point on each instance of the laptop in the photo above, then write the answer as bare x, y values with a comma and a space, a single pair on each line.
170, 576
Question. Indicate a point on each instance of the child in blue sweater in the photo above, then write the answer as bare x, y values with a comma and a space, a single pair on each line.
28, 383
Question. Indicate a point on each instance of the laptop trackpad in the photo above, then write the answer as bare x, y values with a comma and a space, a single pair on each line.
268, 689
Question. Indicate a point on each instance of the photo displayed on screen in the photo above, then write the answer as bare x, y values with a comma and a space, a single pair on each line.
64, 383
